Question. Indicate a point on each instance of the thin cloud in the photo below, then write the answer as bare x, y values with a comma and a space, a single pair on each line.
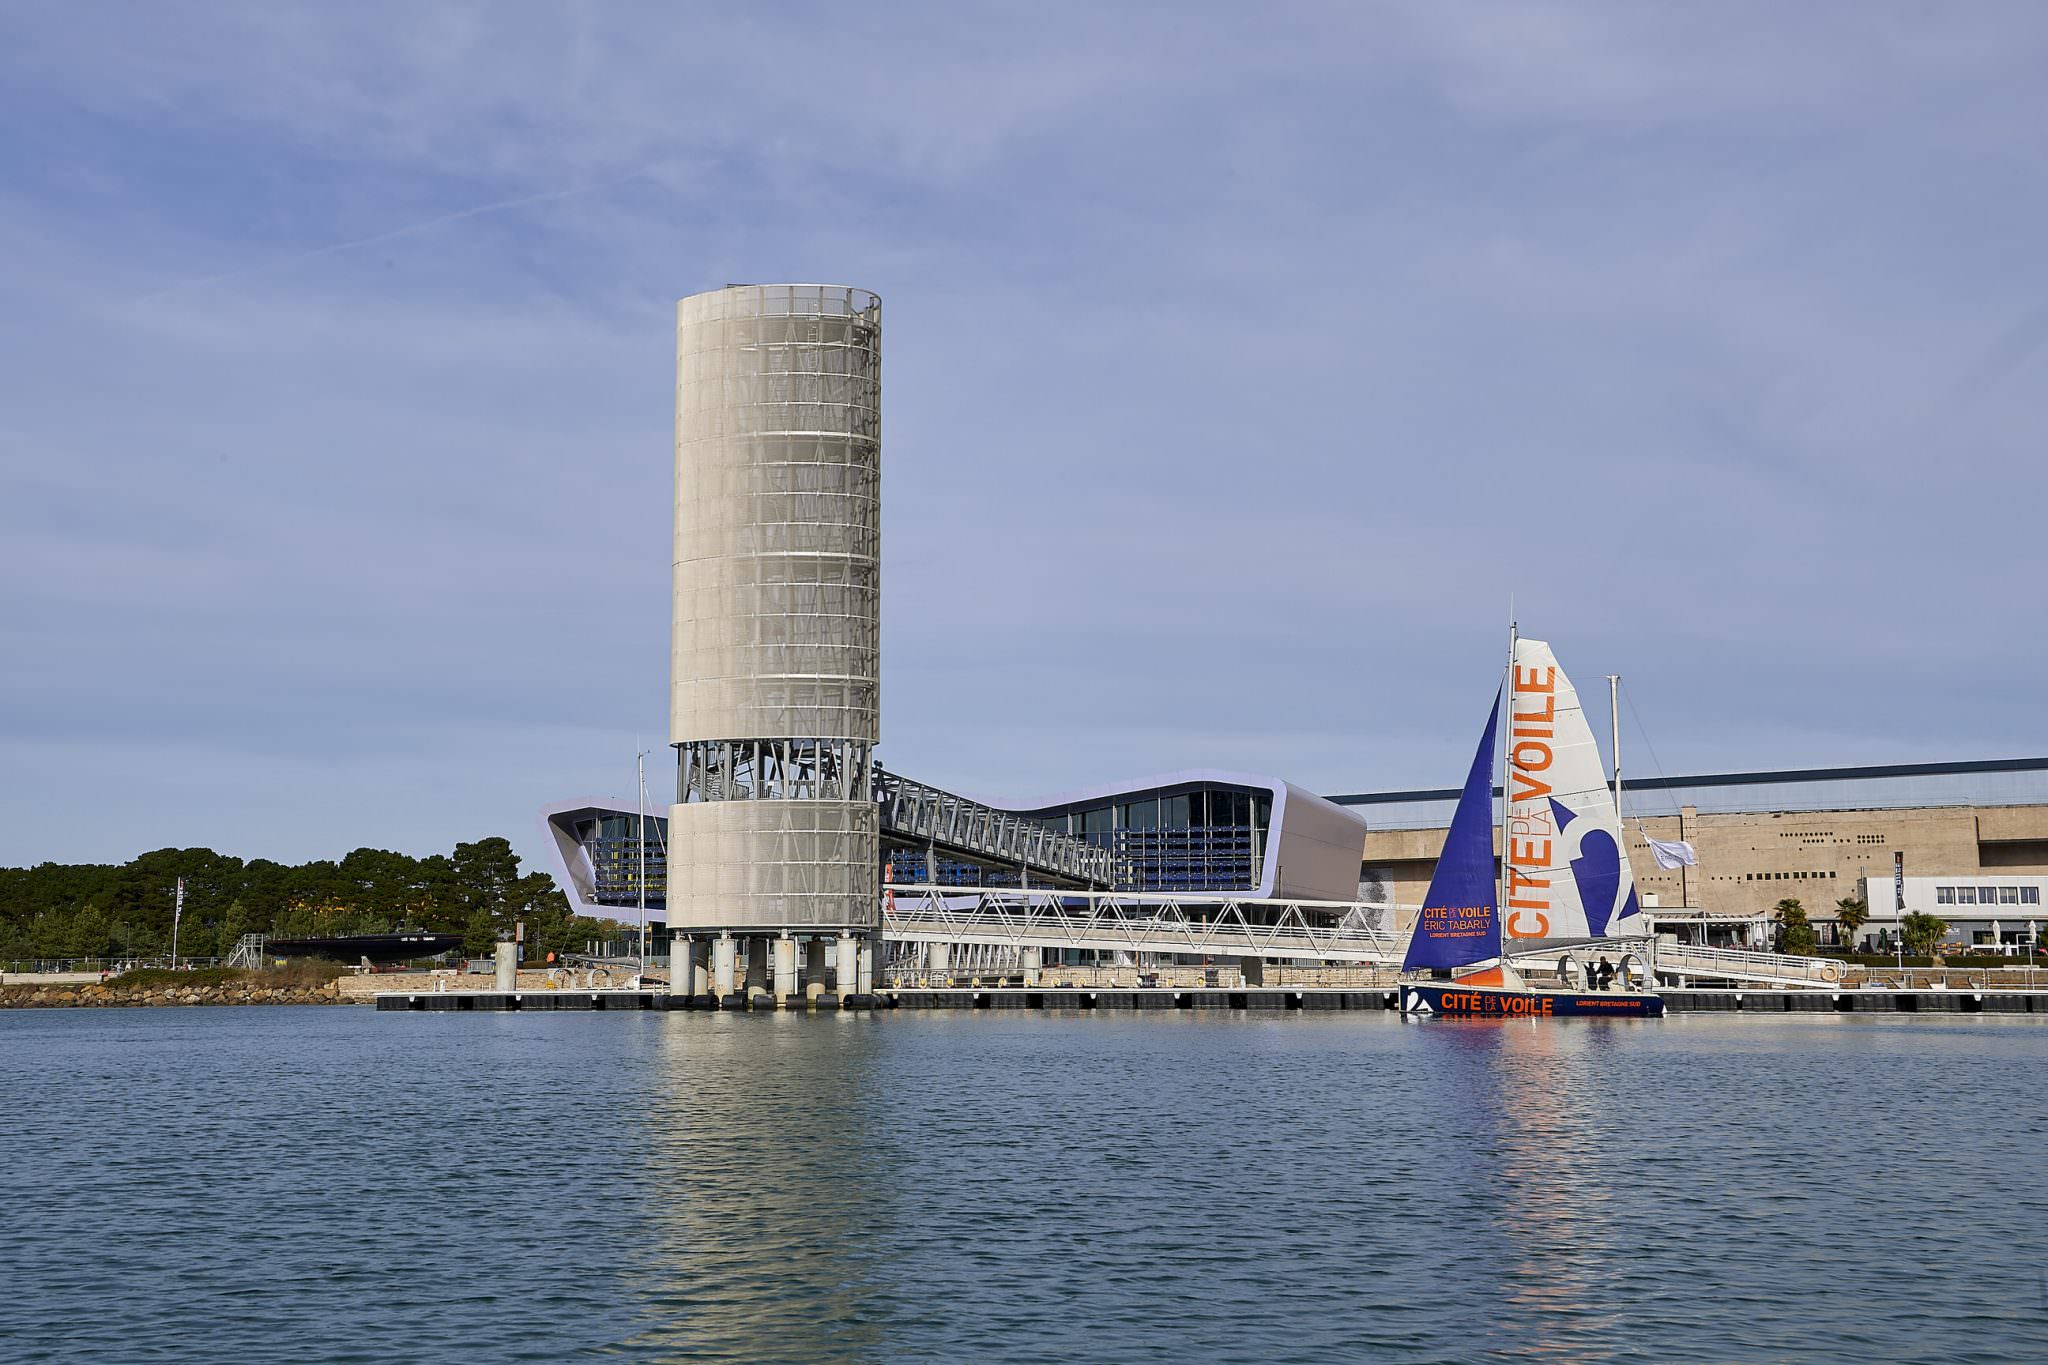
408, 230
2010, 351
1253, 365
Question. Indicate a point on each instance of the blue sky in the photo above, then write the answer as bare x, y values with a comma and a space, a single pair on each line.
1240, 363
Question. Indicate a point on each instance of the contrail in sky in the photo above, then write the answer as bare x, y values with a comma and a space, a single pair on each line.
423, 225
2012, 349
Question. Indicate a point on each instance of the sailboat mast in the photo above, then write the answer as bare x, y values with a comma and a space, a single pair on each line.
1507, 749
1614, 737
640, 772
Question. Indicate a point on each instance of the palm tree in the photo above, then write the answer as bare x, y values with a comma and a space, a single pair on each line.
1921, 931
1795, 935
1851, 914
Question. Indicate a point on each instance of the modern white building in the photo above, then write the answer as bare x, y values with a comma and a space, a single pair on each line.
1199, 831
1982, 908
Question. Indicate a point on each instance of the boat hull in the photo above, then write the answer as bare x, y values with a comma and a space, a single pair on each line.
1451, 1000
403, 946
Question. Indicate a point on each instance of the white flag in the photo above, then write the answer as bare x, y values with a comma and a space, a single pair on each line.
1671, 853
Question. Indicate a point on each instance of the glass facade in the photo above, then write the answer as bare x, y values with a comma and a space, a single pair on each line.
905, 864
1187, 838
612, 845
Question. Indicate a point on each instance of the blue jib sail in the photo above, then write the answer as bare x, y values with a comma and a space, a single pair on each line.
1459, 924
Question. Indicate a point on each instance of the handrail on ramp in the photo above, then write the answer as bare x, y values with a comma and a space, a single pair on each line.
1747, 965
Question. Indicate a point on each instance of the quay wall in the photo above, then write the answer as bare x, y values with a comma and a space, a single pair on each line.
363, 989
1675, 1001
539, 994
1244, 999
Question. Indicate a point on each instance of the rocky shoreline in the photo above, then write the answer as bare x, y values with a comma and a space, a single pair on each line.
112, 994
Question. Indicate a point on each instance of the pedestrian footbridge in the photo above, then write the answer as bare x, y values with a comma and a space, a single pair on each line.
920, 815
1210, 926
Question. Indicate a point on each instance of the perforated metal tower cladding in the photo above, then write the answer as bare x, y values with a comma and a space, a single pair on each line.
775, 696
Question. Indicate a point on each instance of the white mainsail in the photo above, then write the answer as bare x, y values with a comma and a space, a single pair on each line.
1567, 871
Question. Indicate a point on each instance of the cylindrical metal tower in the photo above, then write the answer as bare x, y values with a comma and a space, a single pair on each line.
774, 699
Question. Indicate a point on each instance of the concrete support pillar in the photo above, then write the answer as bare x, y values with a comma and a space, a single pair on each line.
700, 967
757, 965
1254, 969
866, 969
508, 967
680, 949
845, 962
722, 966
785, 968
938, 958
814, 967
1031, 960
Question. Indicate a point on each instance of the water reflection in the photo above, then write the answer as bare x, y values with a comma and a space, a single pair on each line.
1556, 1216
1013, 1186
766, 1198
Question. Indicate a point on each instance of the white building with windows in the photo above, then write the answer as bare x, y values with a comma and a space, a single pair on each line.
1982, 908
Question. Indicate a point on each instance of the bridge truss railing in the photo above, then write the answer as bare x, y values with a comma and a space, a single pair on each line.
915, 811
1213, 926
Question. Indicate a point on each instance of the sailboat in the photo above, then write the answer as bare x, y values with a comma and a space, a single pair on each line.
1563, 880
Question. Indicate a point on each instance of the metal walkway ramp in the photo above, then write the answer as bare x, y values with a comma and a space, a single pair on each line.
940, 820
1216, 926
1687, 960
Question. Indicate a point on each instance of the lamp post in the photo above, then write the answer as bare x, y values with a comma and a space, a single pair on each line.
1899, 900
640, 842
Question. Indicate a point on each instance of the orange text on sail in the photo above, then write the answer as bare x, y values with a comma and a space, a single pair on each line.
1532, 718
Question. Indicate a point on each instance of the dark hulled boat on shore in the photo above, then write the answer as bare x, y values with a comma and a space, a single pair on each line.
402, 946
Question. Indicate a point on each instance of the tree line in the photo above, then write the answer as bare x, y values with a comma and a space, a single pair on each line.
102, 910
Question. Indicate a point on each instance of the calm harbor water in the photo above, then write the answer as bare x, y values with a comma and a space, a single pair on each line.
340, 1185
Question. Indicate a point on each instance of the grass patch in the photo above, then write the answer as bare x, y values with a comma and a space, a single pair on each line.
310, 971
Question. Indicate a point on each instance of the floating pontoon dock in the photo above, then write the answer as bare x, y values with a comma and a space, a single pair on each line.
1162, 998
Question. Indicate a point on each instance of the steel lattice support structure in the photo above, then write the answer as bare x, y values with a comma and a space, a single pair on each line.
1229, 926
774, 702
